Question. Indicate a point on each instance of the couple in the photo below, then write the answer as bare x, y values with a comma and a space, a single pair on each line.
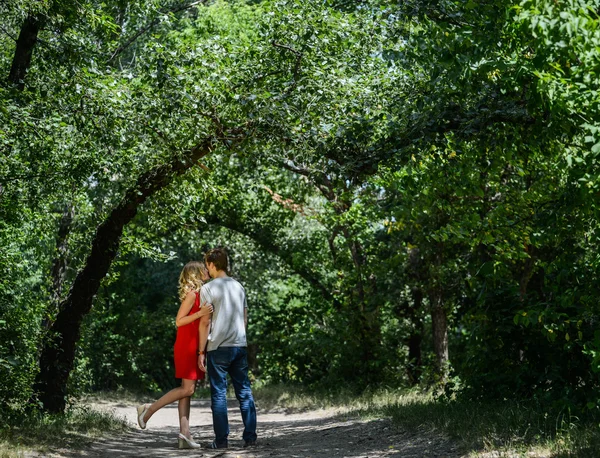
225, 299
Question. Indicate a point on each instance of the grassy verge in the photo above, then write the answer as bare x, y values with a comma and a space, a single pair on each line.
507, 428
482, 429
137, 397
77, 427
510, 427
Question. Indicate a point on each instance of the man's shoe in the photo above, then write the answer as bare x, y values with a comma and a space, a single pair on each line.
249, 443
213, 444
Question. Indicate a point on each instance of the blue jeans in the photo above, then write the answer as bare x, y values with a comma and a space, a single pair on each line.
232, 361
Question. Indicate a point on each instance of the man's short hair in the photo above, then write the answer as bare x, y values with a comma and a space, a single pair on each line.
218, 256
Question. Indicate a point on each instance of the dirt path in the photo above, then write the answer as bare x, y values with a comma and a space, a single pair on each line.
316, 433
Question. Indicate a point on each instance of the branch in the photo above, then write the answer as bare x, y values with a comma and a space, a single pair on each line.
298, 54
10, 35
532, 216
278, 45
290, 204
220, 133
24, 177
319, 179
258, 78
58, 354
443, 16
265, 241
28, 37
143, 30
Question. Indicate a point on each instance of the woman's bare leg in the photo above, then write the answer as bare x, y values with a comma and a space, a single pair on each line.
186, 390
184, 416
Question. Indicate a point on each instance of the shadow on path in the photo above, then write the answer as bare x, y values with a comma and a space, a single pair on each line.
323, 433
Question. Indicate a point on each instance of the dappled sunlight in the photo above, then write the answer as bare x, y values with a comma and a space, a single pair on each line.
404, 196
312, 433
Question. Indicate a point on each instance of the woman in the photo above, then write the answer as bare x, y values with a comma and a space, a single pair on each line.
189, 316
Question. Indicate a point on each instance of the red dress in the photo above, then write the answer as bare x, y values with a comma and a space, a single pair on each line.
186, 348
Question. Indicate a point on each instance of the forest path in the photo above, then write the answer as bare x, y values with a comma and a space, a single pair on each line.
313, 433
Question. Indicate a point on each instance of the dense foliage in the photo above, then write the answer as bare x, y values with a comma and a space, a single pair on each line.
408, 190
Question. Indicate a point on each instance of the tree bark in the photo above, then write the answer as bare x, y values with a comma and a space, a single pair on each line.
439, 324
356, 252
59, 266
414, 367
526, 272
58, 353
28, 37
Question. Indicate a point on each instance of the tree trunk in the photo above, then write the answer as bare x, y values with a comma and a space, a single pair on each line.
58, 353
25, 43
59, 269
526, 272
414, 368
59, 266
358, 259
439, 324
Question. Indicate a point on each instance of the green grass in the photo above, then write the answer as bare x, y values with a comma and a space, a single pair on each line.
79, 426
510, 427
137, 397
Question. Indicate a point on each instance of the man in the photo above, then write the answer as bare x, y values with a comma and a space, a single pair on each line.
226, 350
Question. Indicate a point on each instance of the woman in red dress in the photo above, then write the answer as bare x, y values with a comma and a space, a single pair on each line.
190, 314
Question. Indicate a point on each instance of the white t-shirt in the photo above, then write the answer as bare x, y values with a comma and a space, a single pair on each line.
228, 298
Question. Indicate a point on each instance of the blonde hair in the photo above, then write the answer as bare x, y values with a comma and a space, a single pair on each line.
190, 278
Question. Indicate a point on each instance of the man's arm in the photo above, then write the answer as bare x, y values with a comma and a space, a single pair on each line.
203, 330
245, 311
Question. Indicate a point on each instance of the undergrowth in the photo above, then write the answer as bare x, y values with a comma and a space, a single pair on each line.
511, 428
77, 427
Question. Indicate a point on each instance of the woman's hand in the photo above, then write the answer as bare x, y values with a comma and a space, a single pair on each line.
206, 309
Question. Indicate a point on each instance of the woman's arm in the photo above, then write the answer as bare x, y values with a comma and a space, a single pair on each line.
205, 309
186, 305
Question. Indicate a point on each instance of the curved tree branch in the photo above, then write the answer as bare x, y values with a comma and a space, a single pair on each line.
28, 37
263, 239
58, 353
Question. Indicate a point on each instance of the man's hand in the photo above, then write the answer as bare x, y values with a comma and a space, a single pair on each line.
202, 362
